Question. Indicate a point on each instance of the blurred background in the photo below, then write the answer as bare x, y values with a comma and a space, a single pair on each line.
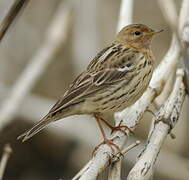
63, 148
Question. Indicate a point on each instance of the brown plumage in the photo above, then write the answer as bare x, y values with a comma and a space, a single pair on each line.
115, 79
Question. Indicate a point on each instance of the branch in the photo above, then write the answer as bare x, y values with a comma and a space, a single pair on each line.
126, 14
11, 16
166, 119
55, 38
5, 157
184, 36
182, 31
166, 90
115, 167
115, 171
168, 9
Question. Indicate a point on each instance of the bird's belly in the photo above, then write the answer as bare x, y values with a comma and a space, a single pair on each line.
121, 96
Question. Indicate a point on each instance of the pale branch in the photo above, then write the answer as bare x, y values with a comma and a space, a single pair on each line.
184, 36
121, 154
5, 157
115, 167
86, 30
160, 100
54, 39
165, 121
125, 14
80, 173
168, 9
115, 171
166, 91
11, 16
182, 31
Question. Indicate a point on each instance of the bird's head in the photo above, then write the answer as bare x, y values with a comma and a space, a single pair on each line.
136, 35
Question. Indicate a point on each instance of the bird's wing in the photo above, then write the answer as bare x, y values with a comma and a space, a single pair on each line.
96, 80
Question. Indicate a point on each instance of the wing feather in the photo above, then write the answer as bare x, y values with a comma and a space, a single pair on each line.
98, 76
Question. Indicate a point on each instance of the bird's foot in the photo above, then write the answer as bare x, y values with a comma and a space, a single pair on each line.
110, 143
120, 128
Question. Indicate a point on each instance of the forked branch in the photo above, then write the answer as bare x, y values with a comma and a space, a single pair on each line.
165, 121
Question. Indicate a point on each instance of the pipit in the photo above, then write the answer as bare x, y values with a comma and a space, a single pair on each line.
114, 80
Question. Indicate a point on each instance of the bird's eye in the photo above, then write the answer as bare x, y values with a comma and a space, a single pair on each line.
137, 33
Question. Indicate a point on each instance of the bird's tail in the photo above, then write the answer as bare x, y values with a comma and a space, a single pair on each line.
58, 111
35, 129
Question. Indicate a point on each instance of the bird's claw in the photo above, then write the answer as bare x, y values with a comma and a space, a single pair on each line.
109, 143
119, 128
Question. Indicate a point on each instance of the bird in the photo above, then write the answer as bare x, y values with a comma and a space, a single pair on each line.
114, 80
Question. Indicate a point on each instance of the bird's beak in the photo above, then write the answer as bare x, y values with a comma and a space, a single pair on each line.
156, 32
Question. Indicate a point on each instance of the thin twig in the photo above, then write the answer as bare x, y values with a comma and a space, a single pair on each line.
115, 167
5, 157
125, 151
79, 174
11, 16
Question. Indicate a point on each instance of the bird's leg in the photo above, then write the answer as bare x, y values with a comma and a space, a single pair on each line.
105, 122
117, 128
106, 140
